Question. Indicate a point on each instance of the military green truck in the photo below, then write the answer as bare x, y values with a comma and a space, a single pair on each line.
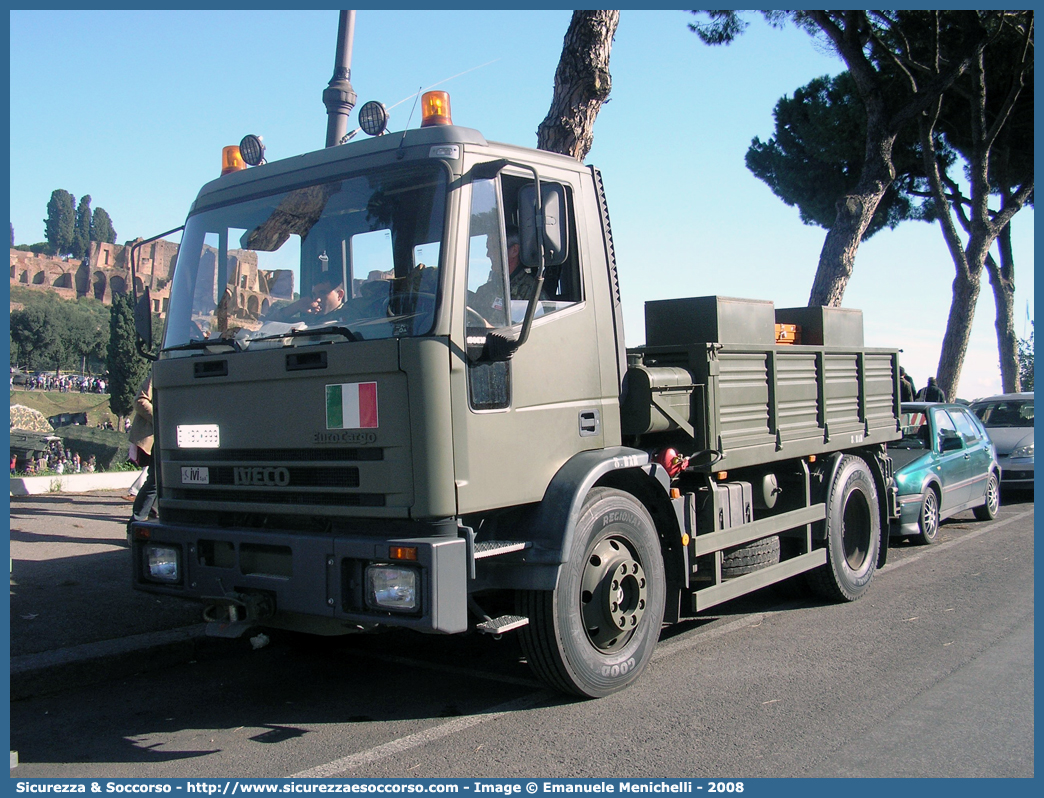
393, 391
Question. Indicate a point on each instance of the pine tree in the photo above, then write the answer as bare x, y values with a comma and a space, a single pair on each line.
58, 226
127, 368
81, 240
101, 227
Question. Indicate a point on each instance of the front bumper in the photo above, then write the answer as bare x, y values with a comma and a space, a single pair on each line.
268, 573
909, 515
1016, 472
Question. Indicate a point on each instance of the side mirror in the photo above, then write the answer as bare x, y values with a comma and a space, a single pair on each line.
949, 442
548, 228
143, 320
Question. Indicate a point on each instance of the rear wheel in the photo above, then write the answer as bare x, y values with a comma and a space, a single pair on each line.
928, 523
853, 526
594, 634
988, 510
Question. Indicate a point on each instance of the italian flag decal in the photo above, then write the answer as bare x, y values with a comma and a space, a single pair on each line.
352, 405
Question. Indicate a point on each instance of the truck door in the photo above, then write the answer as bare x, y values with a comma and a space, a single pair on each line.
517, 422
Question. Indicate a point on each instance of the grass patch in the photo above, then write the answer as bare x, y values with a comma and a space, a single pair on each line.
109, 446
51, 403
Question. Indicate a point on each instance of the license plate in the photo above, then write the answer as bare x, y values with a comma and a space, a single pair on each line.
195, 475
198, 436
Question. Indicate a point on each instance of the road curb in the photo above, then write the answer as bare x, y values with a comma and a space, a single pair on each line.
76, 666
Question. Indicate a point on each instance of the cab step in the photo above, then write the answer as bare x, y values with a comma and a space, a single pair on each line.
505, 623
493, 548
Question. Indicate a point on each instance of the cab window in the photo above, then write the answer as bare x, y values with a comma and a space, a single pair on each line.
489, 384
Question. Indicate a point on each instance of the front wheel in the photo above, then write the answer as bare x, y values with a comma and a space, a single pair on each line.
594, 634
928, 523
988, 510
853, 526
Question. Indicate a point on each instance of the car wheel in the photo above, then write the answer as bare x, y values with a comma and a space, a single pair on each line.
988, 510
595, 632
928, 523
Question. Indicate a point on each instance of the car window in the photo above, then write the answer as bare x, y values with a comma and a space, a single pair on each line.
943, 426
1006, 413
966, 426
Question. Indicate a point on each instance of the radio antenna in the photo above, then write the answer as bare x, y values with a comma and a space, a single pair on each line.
445, 80
351, 135
402, 141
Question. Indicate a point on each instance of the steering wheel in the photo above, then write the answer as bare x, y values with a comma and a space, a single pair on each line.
476, 319
394, 303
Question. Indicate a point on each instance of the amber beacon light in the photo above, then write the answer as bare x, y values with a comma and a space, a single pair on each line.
435, 109
231, 160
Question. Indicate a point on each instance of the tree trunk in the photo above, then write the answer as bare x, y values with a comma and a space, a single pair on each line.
582, 84
837, 257
958, 331
1002, 279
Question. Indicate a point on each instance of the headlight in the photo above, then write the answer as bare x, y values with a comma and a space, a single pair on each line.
1022, 451
390, 587
162, 563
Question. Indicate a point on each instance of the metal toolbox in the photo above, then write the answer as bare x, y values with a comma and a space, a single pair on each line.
724, 505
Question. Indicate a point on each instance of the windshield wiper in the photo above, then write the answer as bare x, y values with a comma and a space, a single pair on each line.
333, 329
205, 343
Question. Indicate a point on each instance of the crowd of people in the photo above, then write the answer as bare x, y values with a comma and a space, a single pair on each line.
56, 460
64, 384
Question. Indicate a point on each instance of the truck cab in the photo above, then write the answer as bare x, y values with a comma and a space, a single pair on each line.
278, 417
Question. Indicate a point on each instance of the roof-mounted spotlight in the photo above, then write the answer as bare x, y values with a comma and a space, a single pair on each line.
252, 150
373, 118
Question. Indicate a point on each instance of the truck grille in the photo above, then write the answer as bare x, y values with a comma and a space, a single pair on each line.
282, 497
284, 477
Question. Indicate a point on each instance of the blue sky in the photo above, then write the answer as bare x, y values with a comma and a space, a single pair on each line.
133, 108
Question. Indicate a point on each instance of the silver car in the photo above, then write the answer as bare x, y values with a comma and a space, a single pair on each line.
1008, 419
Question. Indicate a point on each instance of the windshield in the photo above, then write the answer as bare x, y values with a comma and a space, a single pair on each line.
1007, 413
357, 257
916, 434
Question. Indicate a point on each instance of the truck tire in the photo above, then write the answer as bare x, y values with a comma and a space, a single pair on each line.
853, 525
988, 510
594, 634
928, 521
752, 557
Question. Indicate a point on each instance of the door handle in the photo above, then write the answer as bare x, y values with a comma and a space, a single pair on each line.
590, 423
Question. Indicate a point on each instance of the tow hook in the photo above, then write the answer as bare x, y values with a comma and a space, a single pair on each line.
232, 615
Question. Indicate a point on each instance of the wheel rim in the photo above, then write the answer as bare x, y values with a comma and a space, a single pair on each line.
855, 530
930, 515
613, 594
992, 495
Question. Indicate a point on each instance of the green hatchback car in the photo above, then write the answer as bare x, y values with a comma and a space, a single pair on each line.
944, 463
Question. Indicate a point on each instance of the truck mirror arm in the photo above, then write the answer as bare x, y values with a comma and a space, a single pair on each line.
500, 345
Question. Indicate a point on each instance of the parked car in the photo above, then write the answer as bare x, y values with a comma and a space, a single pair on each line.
944, 463
1008, 419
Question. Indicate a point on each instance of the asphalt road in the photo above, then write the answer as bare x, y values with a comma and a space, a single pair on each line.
930, 674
